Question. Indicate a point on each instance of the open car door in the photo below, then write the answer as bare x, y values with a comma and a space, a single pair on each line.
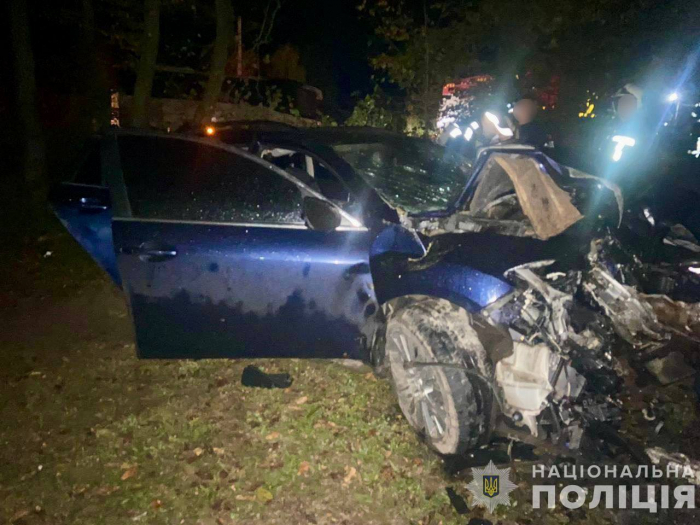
84, 208
217, 261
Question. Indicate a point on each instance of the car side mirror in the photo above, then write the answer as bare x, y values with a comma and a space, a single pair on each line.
321, 215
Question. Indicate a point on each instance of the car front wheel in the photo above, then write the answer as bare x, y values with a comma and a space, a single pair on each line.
449, 406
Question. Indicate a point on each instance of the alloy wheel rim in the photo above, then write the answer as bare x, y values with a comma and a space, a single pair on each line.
421, 388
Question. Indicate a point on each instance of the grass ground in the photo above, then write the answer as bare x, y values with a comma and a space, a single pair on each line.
91, 435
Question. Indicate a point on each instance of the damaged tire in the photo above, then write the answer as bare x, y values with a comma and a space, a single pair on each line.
449, 407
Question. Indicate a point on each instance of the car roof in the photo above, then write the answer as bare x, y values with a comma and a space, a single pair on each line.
253, 125
247, 132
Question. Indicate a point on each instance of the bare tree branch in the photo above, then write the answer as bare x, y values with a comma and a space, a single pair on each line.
268, 22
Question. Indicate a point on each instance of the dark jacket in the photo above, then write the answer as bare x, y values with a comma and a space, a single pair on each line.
533, 134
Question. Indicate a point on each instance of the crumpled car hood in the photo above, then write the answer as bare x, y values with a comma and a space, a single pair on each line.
547, 206
515, 195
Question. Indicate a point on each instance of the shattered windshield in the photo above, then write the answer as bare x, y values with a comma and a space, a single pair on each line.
414, 175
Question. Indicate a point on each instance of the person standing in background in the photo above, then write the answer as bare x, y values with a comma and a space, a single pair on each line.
529, 131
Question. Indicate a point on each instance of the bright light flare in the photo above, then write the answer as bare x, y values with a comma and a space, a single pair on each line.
468, 134
506, 132
673, 97
649, 217
210, 130
695, 152
493, 118
455, 132
621, 141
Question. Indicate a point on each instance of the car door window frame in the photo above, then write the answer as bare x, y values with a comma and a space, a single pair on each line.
268, 146
114, 176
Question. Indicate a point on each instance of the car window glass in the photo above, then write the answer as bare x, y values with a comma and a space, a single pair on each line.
309, 171
412, 174
182, 180
292, 162
284, 158
90, 170
329, 184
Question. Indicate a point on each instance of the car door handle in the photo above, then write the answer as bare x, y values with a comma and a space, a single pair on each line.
150, 253
91, 204
157, 255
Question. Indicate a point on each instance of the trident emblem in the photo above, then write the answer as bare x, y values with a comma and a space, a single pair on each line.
491, 486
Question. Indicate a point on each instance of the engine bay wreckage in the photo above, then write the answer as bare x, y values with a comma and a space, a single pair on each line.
600, 313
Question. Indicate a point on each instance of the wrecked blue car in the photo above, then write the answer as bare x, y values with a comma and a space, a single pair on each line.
487, 289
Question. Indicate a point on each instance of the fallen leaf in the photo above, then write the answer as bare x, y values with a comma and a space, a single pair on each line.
218, 451
241, 497
19, 515
130, 473
272, 436
303, 468
139, 516
302, 400
387, 473
106, 490
156, 504
350, 474
198, 451
78, 490
263, 495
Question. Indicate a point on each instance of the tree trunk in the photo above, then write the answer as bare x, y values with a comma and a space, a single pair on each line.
239, 48
217, 69
147, 64
33, 158
426, 88
98, 90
